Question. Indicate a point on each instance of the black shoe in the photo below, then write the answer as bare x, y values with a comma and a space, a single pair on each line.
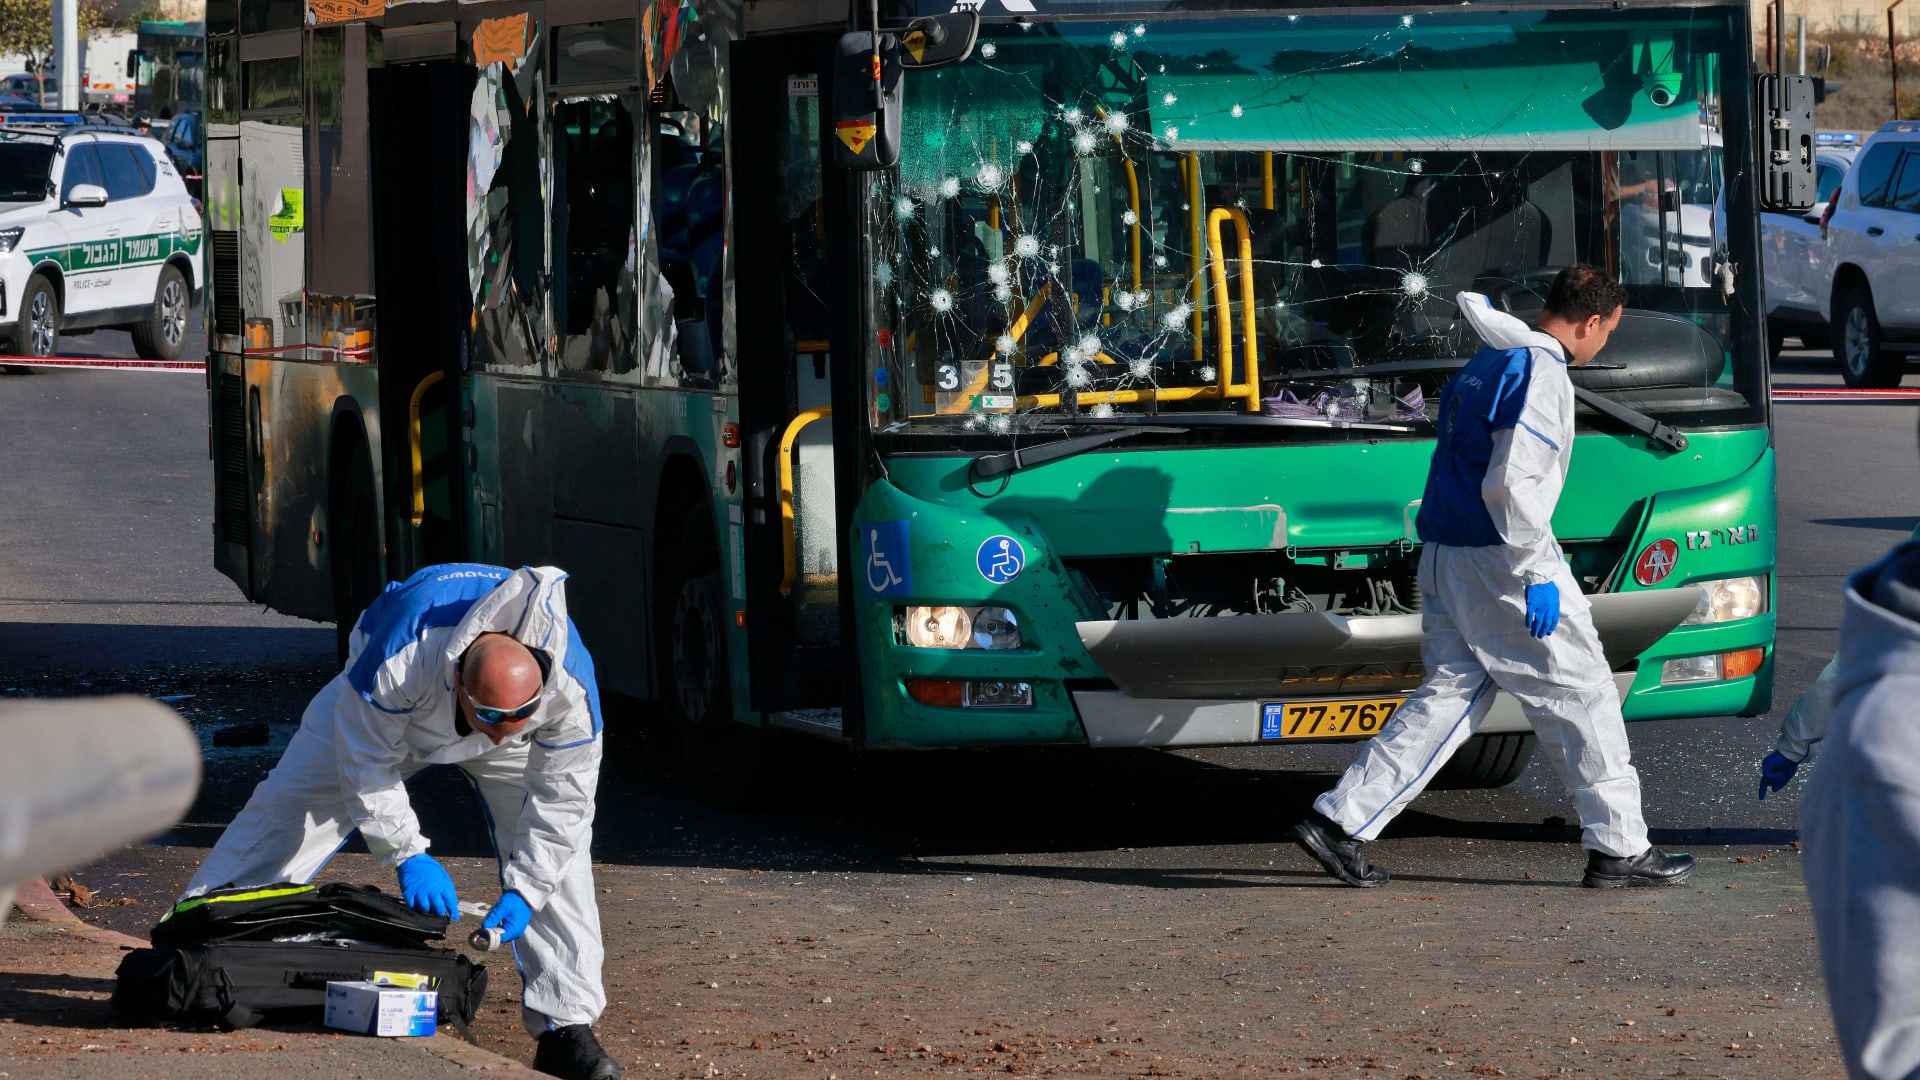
1650, 867
1342, 855
572, 1052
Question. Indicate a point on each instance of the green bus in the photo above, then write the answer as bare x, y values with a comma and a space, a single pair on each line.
1074, 389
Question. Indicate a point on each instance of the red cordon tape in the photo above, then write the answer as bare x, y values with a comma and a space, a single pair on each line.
1842, 393
103, 363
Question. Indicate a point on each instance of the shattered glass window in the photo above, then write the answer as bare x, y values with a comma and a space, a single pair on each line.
690, 202
1269, 219
594, 157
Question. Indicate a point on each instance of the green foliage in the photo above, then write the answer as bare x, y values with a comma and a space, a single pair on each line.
26, 26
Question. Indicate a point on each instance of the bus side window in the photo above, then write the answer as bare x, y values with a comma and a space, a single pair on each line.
594, 155
690, 204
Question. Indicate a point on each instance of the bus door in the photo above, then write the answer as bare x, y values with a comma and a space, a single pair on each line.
786, 288
418, 108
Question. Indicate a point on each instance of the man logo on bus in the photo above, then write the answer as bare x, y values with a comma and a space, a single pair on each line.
1655, 563
1000, 559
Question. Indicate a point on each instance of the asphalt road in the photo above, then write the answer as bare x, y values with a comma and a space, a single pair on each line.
105, 544
1068, 898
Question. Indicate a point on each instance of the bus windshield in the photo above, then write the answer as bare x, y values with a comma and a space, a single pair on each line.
1271, 218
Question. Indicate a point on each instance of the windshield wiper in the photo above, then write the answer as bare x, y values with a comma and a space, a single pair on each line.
1014, 460
1656, 432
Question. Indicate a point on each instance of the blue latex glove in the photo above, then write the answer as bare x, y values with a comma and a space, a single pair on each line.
1543, 608
425, 886
511, 914
1775, 772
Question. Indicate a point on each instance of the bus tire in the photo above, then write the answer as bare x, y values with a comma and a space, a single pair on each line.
1860, 347
1485, 761
354, 514
38, 332
162, 335
696, 690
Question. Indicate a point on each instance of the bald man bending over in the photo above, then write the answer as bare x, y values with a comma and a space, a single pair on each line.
477, 667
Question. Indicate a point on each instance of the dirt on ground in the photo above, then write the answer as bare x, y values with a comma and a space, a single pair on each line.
901, 930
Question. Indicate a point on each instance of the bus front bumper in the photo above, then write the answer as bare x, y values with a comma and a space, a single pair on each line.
1115, 721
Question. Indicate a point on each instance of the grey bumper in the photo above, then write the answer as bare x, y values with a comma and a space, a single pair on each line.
1115, 721
1230, 659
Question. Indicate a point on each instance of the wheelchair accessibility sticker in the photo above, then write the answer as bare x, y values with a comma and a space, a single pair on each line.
1000, 559
889, 568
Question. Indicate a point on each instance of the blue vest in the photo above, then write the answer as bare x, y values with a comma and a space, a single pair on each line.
1484, 399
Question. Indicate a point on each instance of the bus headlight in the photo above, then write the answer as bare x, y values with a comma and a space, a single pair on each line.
939, 627
1727, 599
950, 627
995, 628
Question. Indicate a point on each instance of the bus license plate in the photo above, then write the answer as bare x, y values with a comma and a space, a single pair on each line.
1350, 718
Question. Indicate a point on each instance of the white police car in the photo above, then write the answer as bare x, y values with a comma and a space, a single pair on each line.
96, 230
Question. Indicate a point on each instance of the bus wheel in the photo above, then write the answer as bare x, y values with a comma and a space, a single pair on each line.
355, 523
724, 757
162, 335
1485, 761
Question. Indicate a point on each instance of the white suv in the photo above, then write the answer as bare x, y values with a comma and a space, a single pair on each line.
1873, 244
96, 230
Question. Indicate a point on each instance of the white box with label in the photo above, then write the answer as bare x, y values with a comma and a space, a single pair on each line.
373, 1009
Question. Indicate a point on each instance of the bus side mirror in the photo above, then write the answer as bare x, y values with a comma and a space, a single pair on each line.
866, 101
1785, 139
938, 40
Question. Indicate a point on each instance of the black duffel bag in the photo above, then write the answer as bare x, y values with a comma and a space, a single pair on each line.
238, 957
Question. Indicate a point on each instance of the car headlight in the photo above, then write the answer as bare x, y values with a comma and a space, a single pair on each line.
1727, 599
10, 237
959, 628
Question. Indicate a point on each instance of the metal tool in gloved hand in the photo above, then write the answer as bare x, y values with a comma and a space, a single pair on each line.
502, 923
484, 939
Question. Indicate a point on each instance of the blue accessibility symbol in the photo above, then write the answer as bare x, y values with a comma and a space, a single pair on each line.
889, 569
1000, 559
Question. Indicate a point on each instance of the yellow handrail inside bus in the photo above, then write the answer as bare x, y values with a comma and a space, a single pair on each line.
1223, 306
1121, 397
1196, 214
789, 565
413, 441
1266, 179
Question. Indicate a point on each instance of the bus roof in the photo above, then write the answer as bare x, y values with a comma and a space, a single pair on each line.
169, 28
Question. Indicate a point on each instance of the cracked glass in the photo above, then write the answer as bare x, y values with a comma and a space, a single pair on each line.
1264, 222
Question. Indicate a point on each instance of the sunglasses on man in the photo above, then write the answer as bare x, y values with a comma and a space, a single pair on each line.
493, 717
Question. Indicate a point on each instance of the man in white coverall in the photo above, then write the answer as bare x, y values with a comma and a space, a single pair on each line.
1500, 607
477, 667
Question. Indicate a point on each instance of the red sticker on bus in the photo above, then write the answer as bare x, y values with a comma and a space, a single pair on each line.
1656, 562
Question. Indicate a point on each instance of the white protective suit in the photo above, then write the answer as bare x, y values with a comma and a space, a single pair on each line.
392, 713
1507, 432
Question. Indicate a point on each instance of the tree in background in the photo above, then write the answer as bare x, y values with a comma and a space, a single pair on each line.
26, 27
